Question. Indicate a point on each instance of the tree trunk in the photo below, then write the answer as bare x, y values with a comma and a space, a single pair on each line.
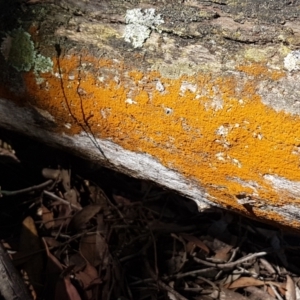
199, 96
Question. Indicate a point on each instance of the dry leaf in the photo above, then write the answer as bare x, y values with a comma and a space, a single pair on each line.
121, 200
65, 290
92, 248
53, 271
271, 291
51, 242
245, 281
51, 173
98, 196
290, 289
71, 197
47, 217
231, 295
76, 260
80, 219
258, 294
30, 244
222, 254
66, 180
88, 277
196, 241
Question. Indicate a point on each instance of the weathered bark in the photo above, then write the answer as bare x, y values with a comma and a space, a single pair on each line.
199, 96
12, 286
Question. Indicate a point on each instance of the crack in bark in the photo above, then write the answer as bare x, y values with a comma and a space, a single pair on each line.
85, 127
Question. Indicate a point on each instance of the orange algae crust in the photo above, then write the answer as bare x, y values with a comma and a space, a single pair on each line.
225, 145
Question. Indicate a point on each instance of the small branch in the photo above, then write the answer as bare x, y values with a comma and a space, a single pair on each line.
230, 264
162, 284
53, 196
26, 190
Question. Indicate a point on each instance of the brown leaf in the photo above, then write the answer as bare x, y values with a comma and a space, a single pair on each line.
88, 277
83, 216
258, 294
71, 197
6, 151
93, 248
65, 290
66, 180
63, 218
290, 289
30, 244
196, 241
98, 196
51, 173
231, 295
51, 242
121, 200
47, 217
53, 271
222, 254
77, 260
246, 281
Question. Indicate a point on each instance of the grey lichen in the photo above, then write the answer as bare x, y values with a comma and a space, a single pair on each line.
292, 61
42, 64
18, 50
139, 25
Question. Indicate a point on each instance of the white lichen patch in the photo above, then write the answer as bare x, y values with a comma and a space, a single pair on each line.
159, 86
220, 156
105, 112
292, 61
236, 162
130, 101
68, 125
283, 184
140, 23
187, 86
168, 110
42, 64
222, 130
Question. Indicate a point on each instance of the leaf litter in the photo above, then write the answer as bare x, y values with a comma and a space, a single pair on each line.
102, 235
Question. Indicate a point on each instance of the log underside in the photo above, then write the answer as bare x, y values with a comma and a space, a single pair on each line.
199, 96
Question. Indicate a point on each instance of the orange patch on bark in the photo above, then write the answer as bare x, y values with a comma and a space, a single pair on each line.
222, 136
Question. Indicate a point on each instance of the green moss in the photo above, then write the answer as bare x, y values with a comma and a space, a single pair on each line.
21, 54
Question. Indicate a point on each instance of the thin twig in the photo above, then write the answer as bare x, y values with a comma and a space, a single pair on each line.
276, 292
191, 273
216, 288
162, 284
26, 190
230, 264
232, 257
53, 196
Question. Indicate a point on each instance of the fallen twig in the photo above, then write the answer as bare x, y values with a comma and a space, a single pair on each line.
53, 196
230, 264
26, 190
162, 284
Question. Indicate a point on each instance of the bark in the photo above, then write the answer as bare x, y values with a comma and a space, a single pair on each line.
12, 286
199, 96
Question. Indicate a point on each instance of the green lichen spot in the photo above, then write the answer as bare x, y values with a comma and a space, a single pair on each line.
42, 64
18, 49
21, 54
256, 55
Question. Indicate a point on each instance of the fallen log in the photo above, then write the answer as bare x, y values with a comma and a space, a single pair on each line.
199, 96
